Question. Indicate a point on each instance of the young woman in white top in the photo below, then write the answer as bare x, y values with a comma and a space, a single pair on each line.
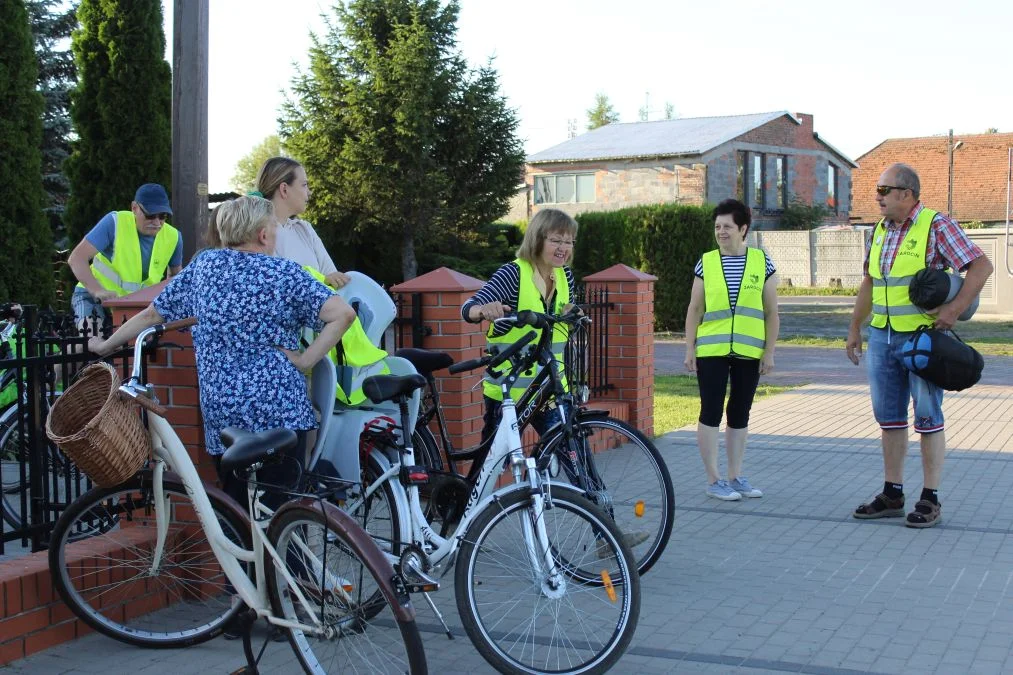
283, 181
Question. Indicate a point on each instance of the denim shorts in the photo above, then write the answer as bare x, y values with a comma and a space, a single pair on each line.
892, 386
84, 305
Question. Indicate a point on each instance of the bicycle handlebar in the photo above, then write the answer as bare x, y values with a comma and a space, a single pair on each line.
493, 360
145, 403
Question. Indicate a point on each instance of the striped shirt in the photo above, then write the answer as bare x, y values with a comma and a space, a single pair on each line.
733, 266
505, 286
948, 244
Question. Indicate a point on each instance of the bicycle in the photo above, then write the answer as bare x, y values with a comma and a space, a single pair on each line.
163, 556
610, 461
543, 580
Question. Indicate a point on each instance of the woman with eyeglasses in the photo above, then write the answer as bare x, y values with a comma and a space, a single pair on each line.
125, 252
539, 279
731, 330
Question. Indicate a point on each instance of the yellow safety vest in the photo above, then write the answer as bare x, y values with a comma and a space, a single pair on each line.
529, 298
123, 274
356, 352
743, 331
890, 299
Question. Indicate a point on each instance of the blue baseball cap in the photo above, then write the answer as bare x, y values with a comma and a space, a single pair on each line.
152, 198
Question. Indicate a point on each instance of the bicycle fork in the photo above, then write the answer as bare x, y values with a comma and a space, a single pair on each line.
160, 502
536, 540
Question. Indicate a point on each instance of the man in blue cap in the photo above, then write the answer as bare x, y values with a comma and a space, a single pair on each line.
125, 252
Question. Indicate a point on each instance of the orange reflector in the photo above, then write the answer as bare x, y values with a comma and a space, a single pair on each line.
609, 588
639, 509
348, 587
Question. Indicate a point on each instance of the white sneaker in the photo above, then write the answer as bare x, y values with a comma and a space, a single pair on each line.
720, 489
741, 485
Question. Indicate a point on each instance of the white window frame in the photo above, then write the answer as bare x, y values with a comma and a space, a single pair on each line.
555, 192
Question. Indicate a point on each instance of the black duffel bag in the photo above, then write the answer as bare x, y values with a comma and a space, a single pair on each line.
942, 358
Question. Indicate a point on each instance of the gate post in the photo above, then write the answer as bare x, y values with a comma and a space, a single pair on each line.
631, 340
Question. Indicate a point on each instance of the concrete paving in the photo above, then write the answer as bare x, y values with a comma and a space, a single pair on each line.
787, 583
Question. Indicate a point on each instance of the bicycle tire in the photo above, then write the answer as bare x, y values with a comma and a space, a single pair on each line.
369, 634
638, 490
113, 522
492, 573
427, 450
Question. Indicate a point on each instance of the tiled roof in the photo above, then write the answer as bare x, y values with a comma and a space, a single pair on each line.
664, 138
979, 174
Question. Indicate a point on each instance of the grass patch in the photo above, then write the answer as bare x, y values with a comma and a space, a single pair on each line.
816, 290
989, 346
677, 401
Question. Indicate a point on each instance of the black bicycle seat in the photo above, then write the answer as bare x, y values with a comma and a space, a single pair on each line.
425, 361
381, 388
244, 448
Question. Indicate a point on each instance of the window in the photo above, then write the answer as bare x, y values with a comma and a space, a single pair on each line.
740, 176
832, 188
758, 180
780, 174
564, 188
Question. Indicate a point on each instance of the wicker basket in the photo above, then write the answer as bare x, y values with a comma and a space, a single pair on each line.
101, 433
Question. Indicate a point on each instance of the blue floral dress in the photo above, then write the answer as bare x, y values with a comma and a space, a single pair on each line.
247, 305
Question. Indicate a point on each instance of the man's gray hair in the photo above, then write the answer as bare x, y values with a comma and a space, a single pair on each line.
907, 178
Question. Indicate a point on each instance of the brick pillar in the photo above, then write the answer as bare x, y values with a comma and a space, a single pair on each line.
173, 372
443, 292
631, 340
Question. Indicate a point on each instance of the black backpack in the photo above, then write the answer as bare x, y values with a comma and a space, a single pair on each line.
942, 358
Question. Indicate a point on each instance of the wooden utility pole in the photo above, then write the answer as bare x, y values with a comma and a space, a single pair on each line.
949, 181
190, 122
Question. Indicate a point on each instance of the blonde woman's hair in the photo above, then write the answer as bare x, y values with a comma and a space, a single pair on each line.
273, 173
544, 223
242, 219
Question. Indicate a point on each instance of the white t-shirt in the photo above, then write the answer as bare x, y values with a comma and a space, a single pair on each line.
297, 241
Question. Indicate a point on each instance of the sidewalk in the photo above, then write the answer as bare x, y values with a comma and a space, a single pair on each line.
787, 583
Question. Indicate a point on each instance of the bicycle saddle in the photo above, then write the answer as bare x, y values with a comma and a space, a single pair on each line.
425, 361
381, 388
244, 448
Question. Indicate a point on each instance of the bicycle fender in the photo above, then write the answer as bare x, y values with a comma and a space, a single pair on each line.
370, 552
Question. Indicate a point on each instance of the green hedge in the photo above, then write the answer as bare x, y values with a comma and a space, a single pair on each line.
665, 240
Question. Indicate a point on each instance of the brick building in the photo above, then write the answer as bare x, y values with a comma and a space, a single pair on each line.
766, 159
980, 165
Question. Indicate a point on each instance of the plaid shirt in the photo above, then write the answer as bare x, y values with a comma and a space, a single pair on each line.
948, 244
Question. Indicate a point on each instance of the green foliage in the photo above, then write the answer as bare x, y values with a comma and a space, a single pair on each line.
801, 216
121, 109
974, 225
817, 290
665, 240
52, 23
245, 178
601, 113
25, 270
407, 148
494, 245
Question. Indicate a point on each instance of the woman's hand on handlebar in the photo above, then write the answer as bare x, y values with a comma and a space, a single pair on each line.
490, 311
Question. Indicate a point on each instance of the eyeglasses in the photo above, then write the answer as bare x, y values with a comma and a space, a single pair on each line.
155, 216
884, 190
562, 242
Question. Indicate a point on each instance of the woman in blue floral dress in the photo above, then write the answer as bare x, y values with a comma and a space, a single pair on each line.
251, 308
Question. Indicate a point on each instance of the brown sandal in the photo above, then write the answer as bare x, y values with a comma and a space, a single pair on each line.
926, 514
881, 507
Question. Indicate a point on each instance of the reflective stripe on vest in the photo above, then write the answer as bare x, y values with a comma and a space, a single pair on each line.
123, 274
529, 298
890, 300
357, 353
722, 330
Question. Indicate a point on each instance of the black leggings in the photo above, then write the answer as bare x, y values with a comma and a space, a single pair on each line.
712, 376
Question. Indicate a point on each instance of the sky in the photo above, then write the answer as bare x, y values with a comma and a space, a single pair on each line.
866, 70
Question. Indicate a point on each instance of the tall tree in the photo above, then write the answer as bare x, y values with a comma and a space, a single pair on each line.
121, 108
602, 112
25, 271
52, 23
405, 144
245, 177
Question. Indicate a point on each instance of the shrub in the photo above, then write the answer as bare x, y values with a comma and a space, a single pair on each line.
801, 216
974, 225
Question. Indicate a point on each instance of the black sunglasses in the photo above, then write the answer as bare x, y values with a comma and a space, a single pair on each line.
155, 216
884, 190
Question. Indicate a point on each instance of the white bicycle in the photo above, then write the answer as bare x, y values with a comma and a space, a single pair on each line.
159, 561
544, 582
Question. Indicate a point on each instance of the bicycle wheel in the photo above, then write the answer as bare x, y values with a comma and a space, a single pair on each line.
347, 586
627, 477
378, 514
522, 621
12, 456
101, 556
427, 450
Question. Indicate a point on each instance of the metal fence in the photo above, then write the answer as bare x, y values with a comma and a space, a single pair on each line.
41, 358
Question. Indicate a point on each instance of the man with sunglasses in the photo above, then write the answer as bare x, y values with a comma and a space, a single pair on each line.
125, 252
908, 238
